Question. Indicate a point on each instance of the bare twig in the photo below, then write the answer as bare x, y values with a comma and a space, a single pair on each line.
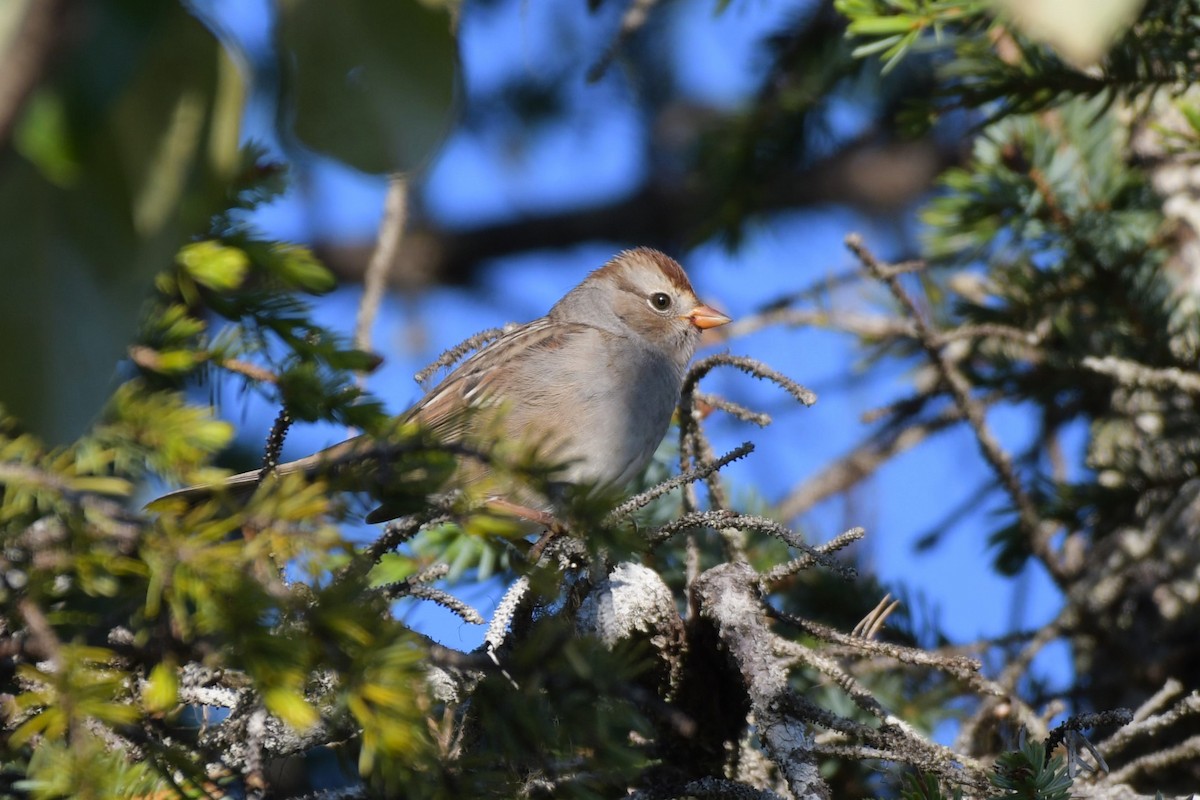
783, 571
1147, 727
650, 495
387, 245
1030, 338
690, 521
631, 21
444, 599
959, 666
44, 640
1003, 689
246, 369
869, 626
862, 462
1169, 690
455, 354
1131, 373
151, 359
508, 607
1039, 535
1186, 751
871, 326
274, 444
749, 366
396, 533
733, 409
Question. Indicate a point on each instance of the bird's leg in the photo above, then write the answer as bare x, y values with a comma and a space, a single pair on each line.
511, 509
554, 527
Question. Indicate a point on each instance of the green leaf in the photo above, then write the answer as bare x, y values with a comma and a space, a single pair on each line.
369, 82
298, 267
99, 484
215, 265
354, 360
1191, 113
291, 707
115, 167
875, 26
162, 688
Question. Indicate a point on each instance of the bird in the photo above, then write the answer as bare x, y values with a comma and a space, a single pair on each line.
592, 385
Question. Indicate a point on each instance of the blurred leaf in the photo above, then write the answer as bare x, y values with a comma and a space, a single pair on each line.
294, 264
1080, 30
215, 265
96, 484
118, 160
42, 138
291, 707
162, 688
369, 82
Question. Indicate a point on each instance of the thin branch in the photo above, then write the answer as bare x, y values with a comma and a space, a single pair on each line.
631, 22
247, 370
1149, 727
870, 625
395, 533
452, 356
791, 538
273, 447
650, 495
1169, 690
1131, 373
1003, 689
857, 693
783, 571
749, 366
993, 331
1038, 534
871, 326
44, 640
689, 522
150, 359
1186, 751
387, 246
444, 599
508, 607
958, 666
707, 401
862, 462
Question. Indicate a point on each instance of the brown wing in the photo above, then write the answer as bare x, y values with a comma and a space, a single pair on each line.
478, 383
446, 410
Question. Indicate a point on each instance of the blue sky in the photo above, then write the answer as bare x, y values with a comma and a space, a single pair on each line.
594, 154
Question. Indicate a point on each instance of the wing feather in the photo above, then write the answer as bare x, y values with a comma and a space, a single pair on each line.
478, 383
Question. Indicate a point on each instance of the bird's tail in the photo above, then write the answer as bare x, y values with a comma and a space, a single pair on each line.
240, 486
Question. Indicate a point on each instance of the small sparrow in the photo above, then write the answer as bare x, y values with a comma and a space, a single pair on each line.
592, 385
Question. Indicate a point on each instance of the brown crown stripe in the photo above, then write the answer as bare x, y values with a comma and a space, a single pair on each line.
667, 265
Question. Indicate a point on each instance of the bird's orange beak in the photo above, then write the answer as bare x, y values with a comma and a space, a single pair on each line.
705, 317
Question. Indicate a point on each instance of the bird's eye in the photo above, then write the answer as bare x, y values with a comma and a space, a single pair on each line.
660, 301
